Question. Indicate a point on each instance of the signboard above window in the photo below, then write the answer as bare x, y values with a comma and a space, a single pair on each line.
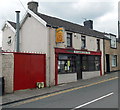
59, 35
113, 42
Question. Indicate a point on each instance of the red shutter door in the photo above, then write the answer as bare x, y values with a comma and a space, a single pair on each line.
28, 70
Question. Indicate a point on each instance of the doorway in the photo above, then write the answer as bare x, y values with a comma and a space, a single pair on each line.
79, 66
107, 63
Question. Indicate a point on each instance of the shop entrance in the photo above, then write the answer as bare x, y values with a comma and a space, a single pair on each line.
107, 63
79, 66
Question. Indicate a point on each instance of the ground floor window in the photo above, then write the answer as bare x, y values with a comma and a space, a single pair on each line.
66, 63
90, 63
114, 60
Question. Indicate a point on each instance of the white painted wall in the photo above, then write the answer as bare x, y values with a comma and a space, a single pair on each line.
102, 57
7, 31
34, 36
77, 41
92, 74
66, 78
91, 43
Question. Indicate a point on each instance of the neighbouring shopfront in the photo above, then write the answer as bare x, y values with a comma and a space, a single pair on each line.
72, 65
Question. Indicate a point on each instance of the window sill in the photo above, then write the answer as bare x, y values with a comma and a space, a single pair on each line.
98, 50
84, 49
69, 47
68, 73
114, 66
90, 71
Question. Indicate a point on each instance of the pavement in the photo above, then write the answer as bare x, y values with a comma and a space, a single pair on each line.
101, 95
32, 93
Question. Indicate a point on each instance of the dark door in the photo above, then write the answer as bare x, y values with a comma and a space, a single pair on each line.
107, 63
78, 67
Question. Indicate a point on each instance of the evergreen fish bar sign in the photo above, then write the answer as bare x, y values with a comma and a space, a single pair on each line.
79, 52
82, 52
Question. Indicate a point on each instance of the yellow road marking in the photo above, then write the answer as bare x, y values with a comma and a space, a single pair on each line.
61, 92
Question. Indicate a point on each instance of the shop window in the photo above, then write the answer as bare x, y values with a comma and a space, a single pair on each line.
98, 44
69, 39
90, 63
83, 42
66, 64
114, 60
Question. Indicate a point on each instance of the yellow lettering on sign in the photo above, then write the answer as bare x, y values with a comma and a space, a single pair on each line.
59, 35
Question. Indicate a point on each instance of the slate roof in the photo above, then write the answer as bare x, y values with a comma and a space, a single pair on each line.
69, 26
13, 24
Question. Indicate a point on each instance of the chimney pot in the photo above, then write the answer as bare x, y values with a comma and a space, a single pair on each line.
88, 24
33, 6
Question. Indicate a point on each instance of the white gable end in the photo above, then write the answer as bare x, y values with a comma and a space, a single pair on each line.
9, 25
37, 17
33, 35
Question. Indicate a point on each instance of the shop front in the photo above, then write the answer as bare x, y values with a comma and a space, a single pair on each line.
72, 65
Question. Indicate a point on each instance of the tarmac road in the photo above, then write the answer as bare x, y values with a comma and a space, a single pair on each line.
102, 94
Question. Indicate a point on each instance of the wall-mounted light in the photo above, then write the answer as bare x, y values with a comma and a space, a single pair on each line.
75, 35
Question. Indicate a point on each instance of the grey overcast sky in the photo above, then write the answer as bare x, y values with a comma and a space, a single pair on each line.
104, 13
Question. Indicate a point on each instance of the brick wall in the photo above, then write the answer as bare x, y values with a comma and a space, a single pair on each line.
111, 51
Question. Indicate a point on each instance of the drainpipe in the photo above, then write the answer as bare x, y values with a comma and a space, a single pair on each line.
17, 31
118, 30
104, 55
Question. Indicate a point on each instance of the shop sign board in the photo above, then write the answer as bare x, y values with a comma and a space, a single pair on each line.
59, 35
79, 52
82, 52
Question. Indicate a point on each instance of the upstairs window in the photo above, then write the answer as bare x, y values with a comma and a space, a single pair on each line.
98, 44
9, 40
69, 39
83, 42
113, 41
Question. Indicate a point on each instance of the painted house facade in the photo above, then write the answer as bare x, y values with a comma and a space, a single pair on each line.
111, 56
8, 36
72, 51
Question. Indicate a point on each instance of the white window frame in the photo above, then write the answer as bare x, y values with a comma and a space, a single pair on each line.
113, 42
114, 60
83, 42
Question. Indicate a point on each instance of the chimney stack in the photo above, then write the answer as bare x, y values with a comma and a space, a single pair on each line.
33, 6
18, 30
88, 24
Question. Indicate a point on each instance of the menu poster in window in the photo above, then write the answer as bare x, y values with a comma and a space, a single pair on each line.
59, 35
